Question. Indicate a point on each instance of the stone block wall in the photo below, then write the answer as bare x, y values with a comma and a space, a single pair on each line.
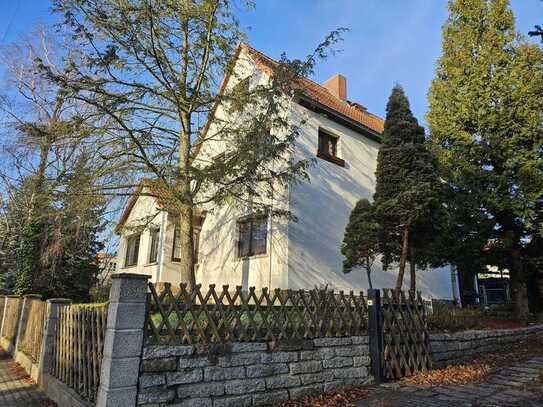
250, 374
448, 348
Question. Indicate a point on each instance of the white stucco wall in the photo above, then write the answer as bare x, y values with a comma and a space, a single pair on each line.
323, 207
141, 213
302, 254
219, 262
145, 216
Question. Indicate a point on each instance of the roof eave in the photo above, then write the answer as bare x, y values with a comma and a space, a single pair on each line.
336, 116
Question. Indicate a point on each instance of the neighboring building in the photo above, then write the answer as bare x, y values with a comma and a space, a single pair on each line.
107, 263
237, 248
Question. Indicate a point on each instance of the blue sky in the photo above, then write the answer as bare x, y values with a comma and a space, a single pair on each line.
389, 40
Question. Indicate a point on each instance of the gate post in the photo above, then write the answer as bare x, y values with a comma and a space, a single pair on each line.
375, 331
123, 341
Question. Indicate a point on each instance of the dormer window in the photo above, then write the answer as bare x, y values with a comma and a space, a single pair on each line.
328, 148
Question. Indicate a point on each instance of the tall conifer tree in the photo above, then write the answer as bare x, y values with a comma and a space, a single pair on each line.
485, 120
406, 195
361, 241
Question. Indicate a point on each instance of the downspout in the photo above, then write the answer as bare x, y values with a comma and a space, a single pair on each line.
271, 253
162, 244
455, 287
476, 282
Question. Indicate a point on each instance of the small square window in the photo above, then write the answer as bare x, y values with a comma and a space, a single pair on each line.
253, 236
328, 148
132, 250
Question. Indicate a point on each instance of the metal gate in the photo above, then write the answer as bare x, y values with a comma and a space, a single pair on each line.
399, 341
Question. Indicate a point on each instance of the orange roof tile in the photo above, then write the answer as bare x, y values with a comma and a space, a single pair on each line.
320, 94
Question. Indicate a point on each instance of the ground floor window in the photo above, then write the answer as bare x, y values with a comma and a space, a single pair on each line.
132, 250
153, 245
253, 236
176, 253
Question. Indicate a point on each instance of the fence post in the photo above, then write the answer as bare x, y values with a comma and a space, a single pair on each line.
23, 318
376, 334
4, 299
123, 340
9, 344
45, 362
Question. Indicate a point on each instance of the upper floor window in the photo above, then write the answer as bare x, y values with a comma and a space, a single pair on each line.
253, 236
328, 148
132, 250
153, 245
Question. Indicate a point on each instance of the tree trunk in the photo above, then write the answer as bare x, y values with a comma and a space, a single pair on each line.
403, 258
186, 240
368, 272
519, 289
412, 269
186, 206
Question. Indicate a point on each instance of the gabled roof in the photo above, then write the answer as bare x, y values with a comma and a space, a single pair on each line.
130, 205
320, 94
155, 193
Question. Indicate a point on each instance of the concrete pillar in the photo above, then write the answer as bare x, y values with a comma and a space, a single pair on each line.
123, 341
23, 317
52, 312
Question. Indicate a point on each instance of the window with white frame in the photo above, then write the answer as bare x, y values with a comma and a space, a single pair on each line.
153, 245
252, 236
176, 252
328, 148
132, 250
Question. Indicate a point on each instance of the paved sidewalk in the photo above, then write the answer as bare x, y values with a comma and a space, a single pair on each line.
16, 388
504, 388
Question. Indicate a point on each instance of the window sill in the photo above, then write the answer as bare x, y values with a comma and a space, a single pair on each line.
129, 267
334, 160
253, 257
154, 263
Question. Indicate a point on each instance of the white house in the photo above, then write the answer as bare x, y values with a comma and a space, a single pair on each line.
237, 248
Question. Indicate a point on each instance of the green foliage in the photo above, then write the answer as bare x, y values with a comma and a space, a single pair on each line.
407, 188
486, 126
360, 243
152, 70
455, 319
100, 294
7, 282
28, 256
57, 237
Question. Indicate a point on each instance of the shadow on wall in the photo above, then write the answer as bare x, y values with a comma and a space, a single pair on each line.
219, 253
323, 208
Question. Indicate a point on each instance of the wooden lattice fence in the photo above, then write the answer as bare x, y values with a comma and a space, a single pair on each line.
78, 349
11, 317
405, 334
32, 332
187, 316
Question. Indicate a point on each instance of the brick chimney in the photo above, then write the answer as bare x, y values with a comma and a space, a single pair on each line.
337, 86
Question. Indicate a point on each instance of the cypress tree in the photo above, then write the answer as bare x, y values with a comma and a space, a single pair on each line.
406, 195
360, 244
485, 122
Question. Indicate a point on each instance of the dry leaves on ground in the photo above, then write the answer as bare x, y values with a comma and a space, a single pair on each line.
458, 374
478, 369
344, 398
